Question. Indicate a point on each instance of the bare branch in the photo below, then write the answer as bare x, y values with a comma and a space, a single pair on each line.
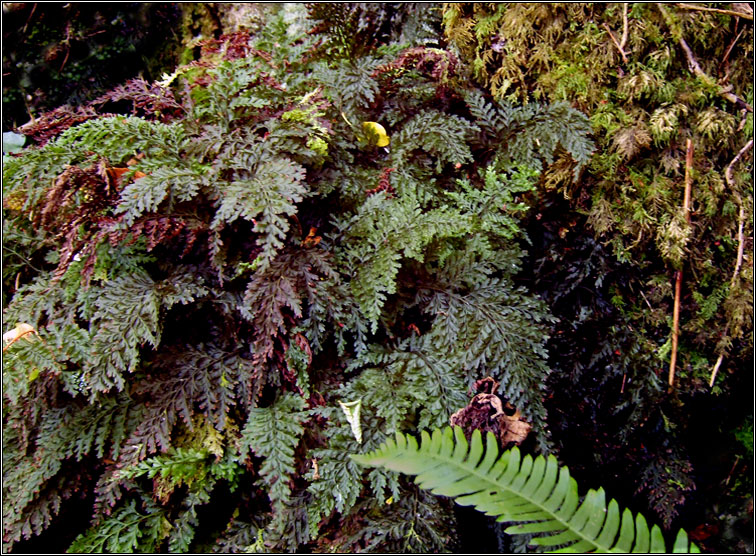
614, 40
741, 240
693, 64
748, 16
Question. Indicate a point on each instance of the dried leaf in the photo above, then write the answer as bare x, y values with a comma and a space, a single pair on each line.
22, 330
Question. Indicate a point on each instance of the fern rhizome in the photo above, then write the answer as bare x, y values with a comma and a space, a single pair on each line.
225, 290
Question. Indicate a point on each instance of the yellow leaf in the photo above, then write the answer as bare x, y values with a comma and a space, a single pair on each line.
376, 133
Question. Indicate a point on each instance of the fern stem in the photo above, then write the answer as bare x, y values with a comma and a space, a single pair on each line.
678, 277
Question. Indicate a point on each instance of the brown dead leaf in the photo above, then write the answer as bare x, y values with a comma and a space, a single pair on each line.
487, 412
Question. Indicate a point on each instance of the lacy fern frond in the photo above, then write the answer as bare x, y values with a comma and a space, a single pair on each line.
265, 200
530, 134
273, 433
535, 492
128, 530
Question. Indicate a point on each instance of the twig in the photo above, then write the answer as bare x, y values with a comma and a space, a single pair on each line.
675, 328
693, 64
715, 370
734, 465
728, 171
715, 10
723, 91
729, 49
741, 242
623, 41
614, 40
17, 338
678, 277
646, 300
28, 19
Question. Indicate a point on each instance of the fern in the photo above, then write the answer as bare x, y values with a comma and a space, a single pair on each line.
442, 136
266, 201
127, 530
147, 193
530, 134
387, 231
518, 489
273, 433
127, 318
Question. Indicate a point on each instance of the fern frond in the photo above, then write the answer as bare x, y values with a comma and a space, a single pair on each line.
265, 200
535, 492
126, 531
273, 433
147, 193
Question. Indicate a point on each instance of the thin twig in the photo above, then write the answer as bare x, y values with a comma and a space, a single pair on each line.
729, 49
693, 64
728, 171
741, 213
28, 19
617, 44
678, 277
623, 41
675, 328
741, 241
646, 300
715, 10
715, 370
17, 338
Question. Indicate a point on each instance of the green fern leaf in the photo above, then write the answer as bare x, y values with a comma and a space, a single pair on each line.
265, 200
127, 530
273, 433
535, 492
147, 193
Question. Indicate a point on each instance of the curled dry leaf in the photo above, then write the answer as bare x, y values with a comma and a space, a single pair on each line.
488, 413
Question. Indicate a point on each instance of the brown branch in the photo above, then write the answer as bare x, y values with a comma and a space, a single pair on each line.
715, 10
623, 41
693, 64
741, 240
617, 44
678, 274
729, 49
725, 92
728, 171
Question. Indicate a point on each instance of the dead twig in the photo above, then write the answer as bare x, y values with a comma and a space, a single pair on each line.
728, 171
748, 16
695, 67
729, 49
678, 274
623, 41
725, 92
617, 44
741, 241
